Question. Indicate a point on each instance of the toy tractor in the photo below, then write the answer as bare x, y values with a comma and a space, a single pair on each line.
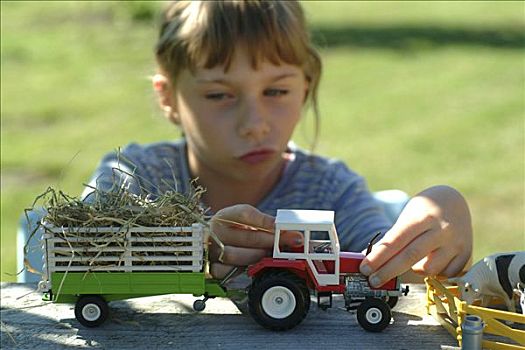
279, 296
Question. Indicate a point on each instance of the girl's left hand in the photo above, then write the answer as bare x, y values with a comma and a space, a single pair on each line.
433, 236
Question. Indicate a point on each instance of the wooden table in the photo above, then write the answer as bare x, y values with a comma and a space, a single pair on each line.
169, 322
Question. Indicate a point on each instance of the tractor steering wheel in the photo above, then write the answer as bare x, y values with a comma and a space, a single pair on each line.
322, 248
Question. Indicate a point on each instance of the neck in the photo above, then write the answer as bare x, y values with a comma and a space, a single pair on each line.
221, 194
223, 191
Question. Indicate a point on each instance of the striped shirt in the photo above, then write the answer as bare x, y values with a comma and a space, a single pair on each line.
307, 182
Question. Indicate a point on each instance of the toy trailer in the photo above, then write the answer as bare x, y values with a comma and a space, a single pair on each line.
279, 296
92, 266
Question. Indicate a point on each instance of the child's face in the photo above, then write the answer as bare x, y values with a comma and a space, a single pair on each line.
237, 124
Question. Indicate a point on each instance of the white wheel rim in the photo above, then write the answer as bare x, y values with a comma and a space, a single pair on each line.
91, 312
278, 302
373, 315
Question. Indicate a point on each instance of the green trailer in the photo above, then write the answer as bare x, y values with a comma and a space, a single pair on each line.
93, 266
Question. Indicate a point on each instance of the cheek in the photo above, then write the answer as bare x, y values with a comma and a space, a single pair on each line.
193, 117
286, 115
206, 130
293, 119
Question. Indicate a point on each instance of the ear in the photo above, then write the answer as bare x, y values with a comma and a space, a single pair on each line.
165, 95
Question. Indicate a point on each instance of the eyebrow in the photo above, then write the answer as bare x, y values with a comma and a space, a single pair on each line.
224, 81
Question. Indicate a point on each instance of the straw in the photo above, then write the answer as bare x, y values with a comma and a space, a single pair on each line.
122, 209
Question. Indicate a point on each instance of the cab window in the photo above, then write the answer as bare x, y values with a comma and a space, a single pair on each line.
320, 242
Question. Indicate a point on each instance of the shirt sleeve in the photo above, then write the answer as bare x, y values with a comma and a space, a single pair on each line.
359, 217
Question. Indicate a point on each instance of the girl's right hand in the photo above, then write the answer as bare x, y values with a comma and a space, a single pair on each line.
244, 232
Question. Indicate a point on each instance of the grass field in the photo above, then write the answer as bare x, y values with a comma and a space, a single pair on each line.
413, 94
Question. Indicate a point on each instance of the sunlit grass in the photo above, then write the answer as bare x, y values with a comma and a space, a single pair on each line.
407, 111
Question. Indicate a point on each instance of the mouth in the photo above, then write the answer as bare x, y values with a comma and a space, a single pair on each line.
257, 156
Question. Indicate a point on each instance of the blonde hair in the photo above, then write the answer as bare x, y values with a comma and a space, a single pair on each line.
206, 33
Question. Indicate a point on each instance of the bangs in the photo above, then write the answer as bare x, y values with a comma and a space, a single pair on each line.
241, 24
210, 31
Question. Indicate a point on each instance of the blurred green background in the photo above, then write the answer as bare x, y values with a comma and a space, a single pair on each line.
413, 94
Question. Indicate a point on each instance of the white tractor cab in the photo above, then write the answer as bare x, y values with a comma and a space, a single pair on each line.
279, 296
320, 241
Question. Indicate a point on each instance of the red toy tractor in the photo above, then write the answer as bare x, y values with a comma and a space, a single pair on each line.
279, 297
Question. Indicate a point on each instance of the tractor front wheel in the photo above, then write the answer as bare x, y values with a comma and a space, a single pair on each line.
374, 314
279, 300
392, 301
91, 310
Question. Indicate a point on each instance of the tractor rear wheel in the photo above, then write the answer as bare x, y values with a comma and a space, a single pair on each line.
278, 300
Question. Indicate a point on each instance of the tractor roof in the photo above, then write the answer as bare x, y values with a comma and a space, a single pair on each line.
287, 216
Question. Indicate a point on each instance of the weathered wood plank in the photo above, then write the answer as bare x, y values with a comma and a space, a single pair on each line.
169, 322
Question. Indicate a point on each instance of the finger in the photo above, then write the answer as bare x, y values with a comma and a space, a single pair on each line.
219, 270
291, 239
243, 238
239, 237
396, 239
456, 265
407, 257
247, 214
235, 226
238, 256
435, 262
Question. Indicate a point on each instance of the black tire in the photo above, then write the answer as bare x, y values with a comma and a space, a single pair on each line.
91, 310
392, 301
199, 305
374, 315
278, 300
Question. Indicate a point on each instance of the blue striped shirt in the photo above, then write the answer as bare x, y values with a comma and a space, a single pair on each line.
307, 182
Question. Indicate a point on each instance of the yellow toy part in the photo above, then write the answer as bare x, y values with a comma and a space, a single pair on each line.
450, 311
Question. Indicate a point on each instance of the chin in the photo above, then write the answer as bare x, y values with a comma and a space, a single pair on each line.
263, 171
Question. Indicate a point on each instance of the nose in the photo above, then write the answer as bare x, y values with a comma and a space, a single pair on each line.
253, 122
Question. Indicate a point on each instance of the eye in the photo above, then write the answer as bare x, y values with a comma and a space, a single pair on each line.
275, 92
218, 96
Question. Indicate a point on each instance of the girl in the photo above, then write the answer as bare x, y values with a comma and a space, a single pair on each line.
235, 76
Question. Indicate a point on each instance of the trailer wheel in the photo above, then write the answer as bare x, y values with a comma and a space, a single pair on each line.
91, 310
278, 300
199, 305
373, 314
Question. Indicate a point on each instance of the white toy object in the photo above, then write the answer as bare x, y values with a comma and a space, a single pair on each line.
493, 276
520, 291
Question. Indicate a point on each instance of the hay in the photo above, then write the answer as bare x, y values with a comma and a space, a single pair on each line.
86, 241
123, 208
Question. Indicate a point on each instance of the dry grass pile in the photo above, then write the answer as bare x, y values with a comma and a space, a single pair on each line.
96, 233
123, 208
